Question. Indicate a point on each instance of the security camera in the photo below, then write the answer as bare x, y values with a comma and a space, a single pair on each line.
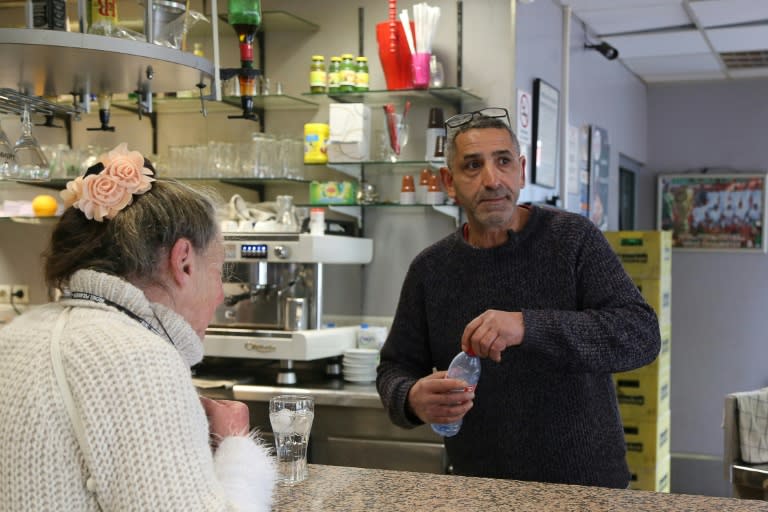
608, 51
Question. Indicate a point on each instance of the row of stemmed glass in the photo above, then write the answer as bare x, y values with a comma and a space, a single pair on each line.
23, 160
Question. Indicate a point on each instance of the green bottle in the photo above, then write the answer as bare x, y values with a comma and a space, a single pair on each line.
245, 17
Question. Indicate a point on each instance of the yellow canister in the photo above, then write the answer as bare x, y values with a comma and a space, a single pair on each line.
316, 143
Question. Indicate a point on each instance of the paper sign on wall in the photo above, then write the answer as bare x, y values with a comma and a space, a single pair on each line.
524, 117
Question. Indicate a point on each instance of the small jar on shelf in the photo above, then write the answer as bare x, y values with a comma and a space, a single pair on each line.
361, 74
334, 75
317, 75
348, 73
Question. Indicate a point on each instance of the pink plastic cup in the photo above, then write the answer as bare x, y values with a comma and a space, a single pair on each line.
420, 69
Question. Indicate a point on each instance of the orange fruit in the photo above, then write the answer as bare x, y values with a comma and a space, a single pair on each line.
44, 205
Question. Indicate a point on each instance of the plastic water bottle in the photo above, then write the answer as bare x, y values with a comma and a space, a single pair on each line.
465, 366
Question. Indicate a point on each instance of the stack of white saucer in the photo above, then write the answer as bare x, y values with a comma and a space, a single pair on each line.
360, 364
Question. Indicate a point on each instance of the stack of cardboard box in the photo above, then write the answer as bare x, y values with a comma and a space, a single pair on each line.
643, 394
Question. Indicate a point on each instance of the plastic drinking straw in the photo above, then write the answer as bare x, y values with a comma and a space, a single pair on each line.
406, 22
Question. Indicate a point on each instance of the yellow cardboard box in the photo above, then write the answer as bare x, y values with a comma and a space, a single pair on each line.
642, 394
652, 477
644, 254
661, 364
658, 294
666, 339
647, 440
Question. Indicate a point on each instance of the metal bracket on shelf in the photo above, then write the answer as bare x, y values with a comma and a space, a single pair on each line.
353, 170
450, 210
144, 93
351, 211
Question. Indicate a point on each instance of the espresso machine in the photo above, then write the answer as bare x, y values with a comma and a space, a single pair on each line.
273, 305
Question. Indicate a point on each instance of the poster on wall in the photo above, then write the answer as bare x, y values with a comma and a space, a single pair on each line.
583, 169
599, 165
713, 211
544, 138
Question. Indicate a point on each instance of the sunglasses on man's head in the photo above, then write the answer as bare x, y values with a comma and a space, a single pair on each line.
462, 119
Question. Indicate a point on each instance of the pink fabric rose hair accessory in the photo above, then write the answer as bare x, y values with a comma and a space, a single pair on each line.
109, 186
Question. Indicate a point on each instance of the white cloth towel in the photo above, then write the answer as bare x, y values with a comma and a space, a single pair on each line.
753, 425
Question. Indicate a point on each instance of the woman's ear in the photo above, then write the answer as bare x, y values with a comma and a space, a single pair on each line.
181, 261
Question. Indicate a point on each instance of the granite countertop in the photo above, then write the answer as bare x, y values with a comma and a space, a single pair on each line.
337, 488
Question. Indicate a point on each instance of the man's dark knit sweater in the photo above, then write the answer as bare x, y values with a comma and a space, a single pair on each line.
547, 412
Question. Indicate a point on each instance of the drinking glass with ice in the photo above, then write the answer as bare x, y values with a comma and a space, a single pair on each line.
291, 418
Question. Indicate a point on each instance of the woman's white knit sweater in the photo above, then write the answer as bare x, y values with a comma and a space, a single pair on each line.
144, 424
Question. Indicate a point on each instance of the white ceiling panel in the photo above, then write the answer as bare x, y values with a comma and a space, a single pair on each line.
616, 4
634, 19
684, 77
680, 40
659, 44
739, 39
748, 73
713, 13
674, 64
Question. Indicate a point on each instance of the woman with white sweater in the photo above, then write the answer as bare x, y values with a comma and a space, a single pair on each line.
97, 406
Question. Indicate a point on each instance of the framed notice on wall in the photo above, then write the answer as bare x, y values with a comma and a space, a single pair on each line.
546, 115
599, 169
720, 212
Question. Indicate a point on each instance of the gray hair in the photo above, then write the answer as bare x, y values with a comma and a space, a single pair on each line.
478, 122
132, 244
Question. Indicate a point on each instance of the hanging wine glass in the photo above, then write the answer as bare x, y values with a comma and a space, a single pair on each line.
31, 163
7, 160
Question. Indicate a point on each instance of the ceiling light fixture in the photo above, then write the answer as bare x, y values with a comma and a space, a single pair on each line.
608, 51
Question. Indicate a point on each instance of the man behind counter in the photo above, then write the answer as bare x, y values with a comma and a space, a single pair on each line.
538, 294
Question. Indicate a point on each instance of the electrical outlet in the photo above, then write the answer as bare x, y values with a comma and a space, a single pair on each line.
5, 293
20, 294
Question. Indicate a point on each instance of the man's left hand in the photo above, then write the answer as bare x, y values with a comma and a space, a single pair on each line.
489, 334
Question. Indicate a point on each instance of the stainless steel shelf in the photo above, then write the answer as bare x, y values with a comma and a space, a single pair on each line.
52, 63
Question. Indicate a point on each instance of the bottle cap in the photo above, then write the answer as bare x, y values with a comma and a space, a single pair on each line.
347, 56
470, 352
318, 57
424, 176
435, 117
362, 59
336, 59
363, 326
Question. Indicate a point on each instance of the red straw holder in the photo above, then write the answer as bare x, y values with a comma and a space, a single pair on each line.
395, 64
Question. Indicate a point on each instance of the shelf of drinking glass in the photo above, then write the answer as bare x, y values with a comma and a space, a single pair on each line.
450, 95
354, 211
450, 210
378, 167
61, 183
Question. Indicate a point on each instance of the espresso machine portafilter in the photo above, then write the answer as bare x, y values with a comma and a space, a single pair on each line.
273, 306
